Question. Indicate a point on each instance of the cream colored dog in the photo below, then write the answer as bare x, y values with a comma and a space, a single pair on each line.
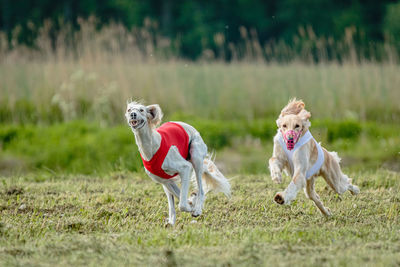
297, 152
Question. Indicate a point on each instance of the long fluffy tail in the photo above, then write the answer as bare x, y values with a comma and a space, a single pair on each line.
345, 183
213, 179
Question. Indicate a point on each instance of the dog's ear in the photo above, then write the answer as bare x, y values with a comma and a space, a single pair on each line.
154, 114
278, 121
305, 116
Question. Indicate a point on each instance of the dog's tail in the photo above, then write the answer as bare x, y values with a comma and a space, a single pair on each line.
213, 179
344, 183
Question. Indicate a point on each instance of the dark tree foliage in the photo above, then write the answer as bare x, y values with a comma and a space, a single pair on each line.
194, 23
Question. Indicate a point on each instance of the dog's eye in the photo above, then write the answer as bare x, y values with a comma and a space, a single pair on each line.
297, 126
129, 110
141, 110
284, 126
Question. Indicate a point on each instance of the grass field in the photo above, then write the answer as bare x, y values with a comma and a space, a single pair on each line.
118, 220
241, 146
73, 190
47, 92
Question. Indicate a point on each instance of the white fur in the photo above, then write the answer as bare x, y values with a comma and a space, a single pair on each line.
335, 156
213, 179
148, 141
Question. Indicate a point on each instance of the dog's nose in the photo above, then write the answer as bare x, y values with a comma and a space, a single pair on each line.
133, 115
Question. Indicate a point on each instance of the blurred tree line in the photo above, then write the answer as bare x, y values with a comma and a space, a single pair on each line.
195, 24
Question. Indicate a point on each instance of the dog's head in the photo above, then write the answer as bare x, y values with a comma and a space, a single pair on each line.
293, 122
138, 115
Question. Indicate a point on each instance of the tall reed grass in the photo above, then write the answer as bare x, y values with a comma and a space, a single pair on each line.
90, 41
90, 73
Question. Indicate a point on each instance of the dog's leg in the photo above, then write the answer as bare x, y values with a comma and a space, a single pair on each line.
198, 151
276, 164
184, 173
171, 206
175, 163
275, 168
315, 197
290, 193
300, 162
173, 188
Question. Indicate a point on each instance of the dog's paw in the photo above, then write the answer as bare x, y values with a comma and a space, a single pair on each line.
279, 198
354, 190
197, 209
277, 179
328, 213
196, 213
169, 224
185, 208
196, 201
276, 176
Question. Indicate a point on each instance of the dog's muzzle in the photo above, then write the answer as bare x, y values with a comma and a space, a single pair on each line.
291, 137
136, 124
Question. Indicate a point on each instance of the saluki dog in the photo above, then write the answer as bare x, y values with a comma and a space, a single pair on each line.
171, 152
297, 152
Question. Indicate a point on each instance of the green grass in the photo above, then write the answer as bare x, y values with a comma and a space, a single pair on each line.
118, 219
61, 118
242, 146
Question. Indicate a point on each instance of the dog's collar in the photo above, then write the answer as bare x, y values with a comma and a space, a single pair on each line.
302, 141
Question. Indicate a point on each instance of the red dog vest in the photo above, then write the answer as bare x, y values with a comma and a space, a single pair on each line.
172, 134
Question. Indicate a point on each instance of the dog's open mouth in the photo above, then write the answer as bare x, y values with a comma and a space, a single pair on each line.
136, 123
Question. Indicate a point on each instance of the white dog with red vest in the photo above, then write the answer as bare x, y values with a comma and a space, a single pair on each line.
171, 152
298, 153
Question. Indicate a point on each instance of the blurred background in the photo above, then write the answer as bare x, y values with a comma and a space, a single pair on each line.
67, 69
